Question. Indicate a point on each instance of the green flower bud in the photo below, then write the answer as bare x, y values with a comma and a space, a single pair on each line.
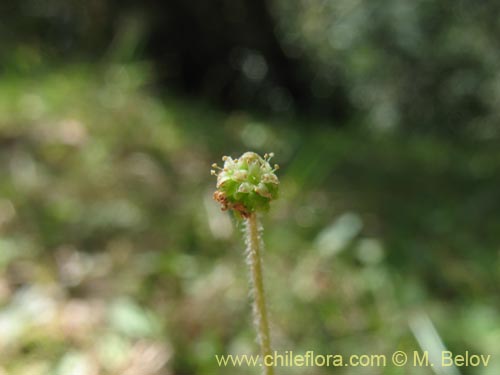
247, 184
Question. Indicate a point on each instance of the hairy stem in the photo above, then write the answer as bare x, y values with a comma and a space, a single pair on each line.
253, 253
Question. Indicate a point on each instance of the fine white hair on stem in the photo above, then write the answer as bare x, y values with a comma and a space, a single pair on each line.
254, 248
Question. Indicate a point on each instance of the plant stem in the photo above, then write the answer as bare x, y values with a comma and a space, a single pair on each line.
253, 253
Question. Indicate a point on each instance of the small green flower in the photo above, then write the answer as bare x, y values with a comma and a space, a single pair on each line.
247, 184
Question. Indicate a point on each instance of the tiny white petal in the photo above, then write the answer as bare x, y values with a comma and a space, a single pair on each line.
245, 188
261, 189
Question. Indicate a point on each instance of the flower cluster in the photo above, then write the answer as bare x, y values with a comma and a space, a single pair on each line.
247, 184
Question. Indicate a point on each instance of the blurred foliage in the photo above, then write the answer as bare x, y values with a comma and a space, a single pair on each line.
115, 260
424, 66
421, 66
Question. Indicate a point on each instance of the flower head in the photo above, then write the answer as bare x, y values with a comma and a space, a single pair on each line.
246, 184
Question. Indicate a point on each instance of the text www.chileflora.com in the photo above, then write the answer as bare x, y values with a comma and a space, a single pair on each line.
398, 358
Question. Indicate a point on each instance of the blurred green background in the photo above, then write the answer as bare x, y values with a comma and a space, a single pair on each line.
383, 115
